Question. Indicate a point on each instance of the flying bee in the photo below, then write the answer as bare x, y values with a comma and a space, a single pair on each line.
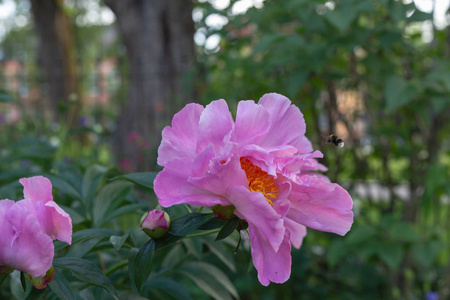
335, 140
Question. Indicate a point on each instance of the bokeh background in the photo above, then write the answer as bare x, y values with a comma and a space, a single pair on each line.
94, 82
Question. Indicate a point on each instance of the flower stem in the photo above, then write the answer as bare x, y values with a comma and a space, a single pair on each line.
116, 266
187, 208
200, 209
203, 233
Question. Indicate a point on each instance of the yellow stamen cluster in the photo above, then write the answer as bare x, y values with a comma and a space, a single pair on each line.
259, 180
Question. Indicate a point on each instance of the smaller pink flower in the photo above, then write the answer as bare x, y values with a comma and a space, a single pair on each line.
155, 223
29, 226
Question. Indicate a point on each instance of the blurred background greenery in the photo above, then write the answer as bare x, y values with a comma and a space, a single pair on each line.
89, 82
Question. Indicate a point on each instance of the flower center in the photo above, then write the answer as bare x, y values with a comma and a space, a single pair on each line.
259, 180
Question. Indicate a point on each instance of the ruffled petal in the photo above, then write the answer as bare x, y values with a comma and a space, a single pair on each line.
304, 145
24, 245
265, 158
252, 122
172, 186
61, 228
37, 188
215, 126
320, 205
221, 175
288, 126
297, 232
272, 266
291, 166
253, 207
180, 140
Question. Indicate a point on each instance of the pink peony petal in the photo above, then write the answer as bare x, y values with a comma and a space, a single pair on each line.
321, 205
253, 207
54, 221
265, 158
201, 162
180, 140
252, 122
37, 188
61, 223
288, 126
215, 126
297, 232
271, 265
23, 244
172, 186
290, 166
304, 145
222, 175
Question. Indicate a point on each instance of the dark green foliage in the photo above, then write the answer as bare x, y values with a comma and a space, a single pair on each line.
362, 70
318, 53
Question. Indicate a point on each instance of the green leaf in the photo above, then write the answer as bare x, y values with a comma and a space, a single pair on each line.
194, 247
4, 97
131, 260
426, 253
174, 256
342, 17
86, 271
267, 41
143, 263
16, 286
91, 180
182, 226
391, 254
398, 92
93, 233
420, 16
222, 252
360, 234
368, 248
3, 277
214, 223
296, 82
336, 251
117, 241
61, 287
109, 197
23, 282
144, 179
128, 209
63, 186
227, 229
187, 223
74, 215
403, 232
84, 241
210, 279
131, 297
170, 288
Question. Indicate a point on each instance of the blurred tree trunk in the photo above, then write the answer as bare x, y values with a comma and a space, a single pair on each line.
57, 58
158, 36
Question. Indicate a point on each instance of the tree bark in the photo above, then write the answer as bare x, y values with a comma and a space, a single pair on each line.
57, 58
158, 37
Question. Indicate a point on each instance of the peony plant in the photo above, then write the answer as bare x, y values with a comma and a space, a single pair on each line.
260, 165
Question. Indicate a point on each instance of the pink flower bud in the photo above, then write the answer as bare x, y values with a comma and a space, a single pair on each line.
155, 223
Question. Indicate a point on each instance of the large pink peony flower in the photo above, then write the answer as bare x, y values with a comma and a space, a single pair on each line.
29, 226
263, 165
